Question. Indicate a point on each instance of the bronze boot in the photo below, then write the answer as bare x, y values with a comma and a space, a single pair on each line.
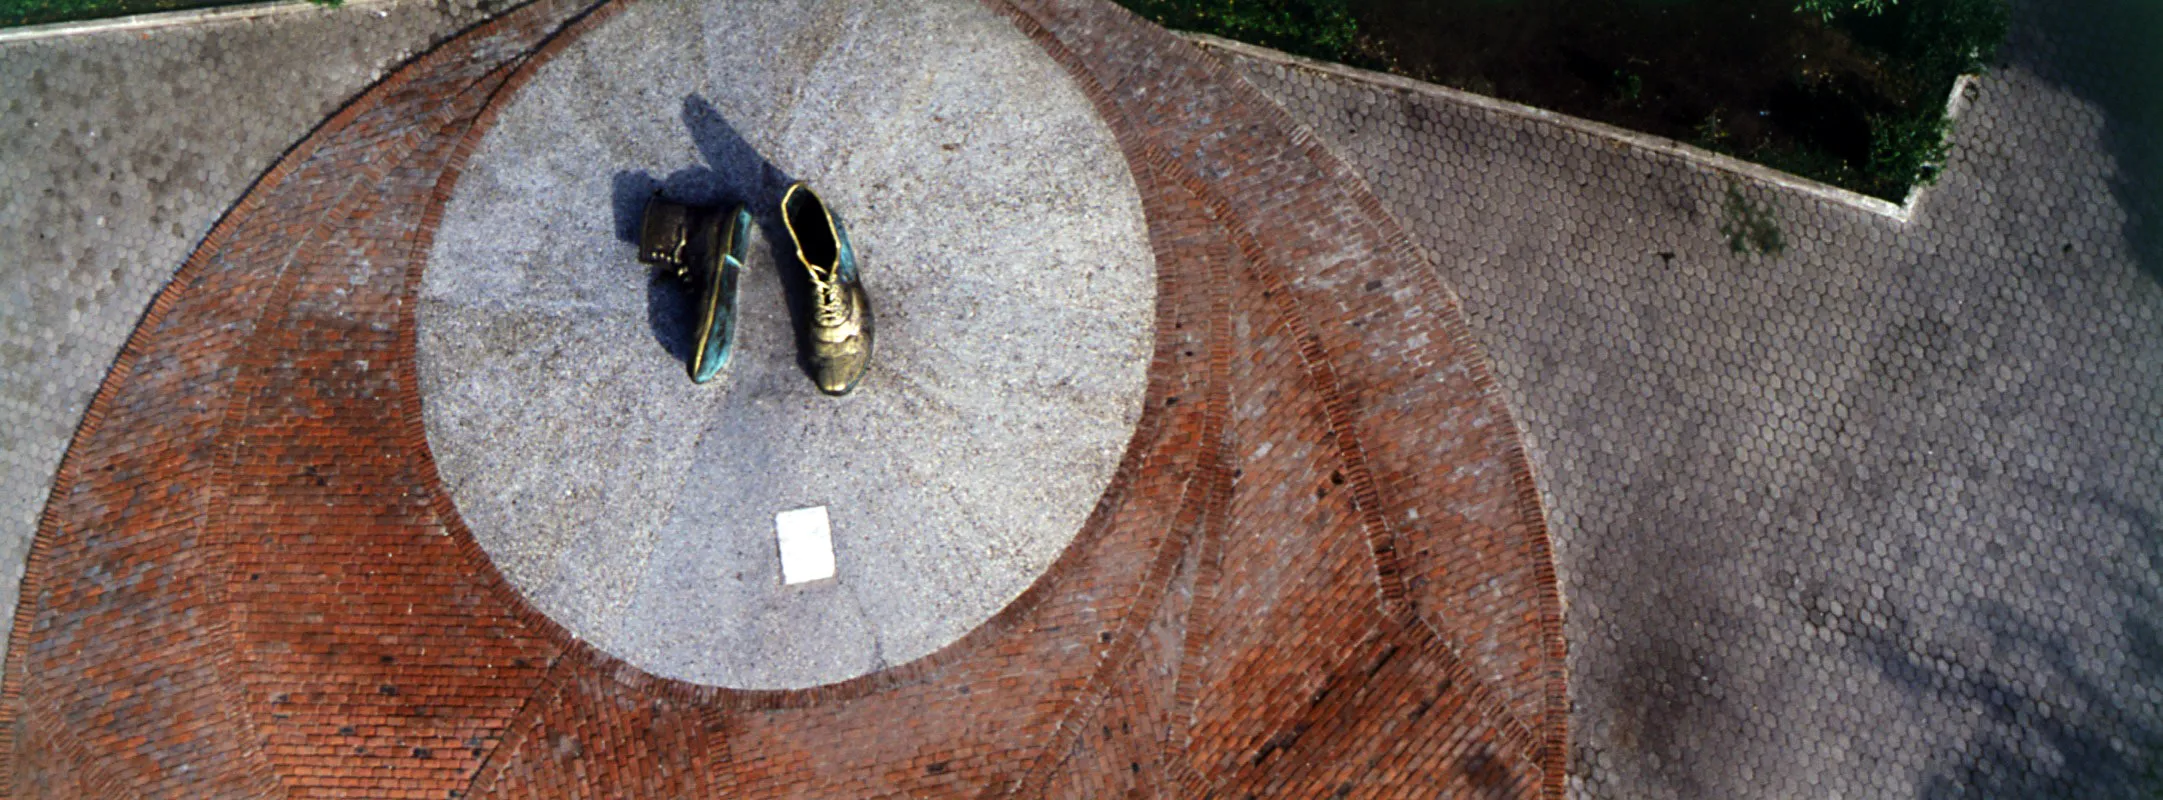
707, 248
840, 331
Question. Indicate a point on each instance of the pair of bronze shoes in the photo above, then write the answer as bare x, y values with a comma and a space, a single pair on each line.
707, 247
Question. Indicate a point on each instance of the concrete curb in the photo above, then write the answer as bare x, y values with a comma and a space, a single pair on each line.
168, 19
1903, 212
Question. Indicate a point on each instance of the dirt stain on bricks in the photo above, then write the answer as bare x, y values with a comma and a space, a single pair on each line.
1488, 775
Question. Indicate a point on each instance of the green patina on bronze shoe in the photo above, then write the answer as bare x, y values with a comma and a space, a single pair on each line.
707, 248
840, 332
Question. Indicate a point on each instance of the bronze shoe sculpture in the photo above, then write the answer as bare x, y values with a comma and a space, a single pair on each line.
840, 333
706, 247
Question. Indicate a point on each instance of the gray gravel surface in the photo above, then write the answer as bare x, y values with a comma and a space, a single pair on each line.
1003, 247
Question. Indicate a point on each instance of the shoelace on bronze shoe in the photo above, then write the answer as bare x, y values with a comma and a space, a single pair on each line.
830, 311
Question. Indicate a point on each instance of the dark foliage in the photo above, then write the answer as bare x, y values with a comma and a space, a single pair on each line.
1849, 94
1322, 29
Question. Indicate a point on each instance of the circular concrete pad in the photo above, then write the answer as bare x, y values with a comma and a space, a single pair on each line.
1002, 244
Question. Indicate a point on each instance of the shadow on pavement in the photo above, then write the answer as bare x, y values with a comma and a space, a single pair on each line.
2110, 53
734, 172
2059, 731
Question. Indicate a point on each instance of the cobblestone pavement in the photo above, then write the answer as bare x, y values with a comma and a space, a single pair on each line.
1877, 516
1320, 570
117, 152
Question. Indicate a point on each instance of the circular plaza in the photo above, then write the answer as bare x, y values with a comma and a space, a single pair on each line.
1004, 253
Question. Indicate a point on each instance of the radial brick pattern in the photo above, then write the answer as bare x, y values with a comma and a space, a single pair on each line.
1320, 570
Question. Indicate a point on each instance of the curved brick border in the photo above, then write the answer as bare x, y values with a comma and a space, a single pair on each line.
1214, 628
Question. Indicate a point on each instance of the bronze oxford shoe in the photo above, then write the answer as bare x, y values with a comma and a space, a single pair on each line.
840, 331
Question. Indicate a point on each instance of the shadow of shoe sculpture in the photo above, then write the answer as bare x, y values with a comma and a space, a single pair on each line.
840, 332
706, 248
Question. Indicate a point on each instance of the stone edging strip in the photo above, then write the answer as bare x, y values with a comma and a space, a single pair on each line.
168, 19
1903, 212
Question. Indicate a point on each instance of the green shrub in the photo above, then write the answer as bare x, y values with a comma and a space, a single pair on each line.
1947, 38
1927, 44
1711, 132
1906, 150
1827, 9
1321, 29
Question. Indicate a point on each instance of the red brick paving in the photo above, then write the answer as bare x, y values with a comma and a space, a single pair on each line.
1320, 571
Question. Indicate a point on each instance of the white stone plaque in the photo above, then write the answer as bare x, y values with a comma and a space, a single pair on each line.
807, 545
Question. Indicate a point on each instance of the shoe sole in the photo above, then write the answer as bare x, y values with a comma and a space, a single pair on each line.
730, 267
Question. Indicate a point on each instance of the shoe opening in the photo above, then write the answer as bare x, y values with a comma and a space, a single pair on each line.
814, 234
